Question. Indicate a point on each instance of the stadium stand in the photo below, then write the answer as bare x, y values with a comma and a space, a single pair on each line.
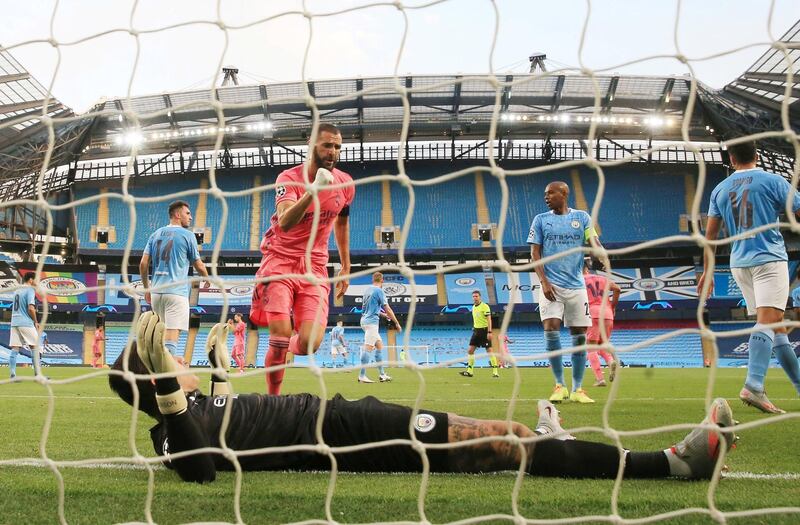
444, 212
448, 342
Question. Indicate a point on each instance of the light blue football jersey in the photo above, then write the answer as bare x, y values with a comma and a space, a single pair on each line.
559, 233
749, 199
336, 333
796, 297
171, 249
23, 297
371, 302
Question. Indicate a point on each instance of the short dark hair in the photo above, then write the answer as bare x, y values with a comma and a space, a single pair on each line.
476, 292
147, 390
330, 128
744, 153
176, 205
30, 276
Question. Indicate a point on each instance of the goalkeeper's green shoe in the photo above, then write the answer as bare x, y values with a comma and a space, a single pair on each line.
698, 452
560, 393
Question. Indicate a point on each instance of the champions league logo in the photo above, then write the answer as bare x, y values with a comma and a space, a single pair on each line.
281, 191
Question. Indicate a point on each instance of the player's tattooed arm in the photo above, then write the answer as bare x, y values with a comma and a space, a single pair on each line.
486, 456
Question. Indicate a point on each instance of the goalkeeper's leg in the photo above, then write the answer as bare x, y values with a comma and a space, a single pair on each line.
695, 457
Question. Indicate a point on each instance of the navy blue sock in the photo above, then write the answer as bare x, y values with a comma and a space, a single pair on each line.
552, 341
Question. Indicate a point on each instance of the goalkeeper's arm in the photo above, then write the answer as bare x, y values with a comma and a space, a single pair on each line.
183, 431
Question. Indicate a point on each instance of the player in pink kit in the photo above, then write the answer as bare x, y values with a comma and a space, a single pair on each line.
99, 337
238, 328
284, 252
601, 313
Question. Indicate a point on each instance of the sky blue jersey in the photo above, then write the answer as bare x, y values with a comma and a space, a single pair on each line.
42, 339
171, 249
796, 297
372, 301
23, 297
559, 233
749, 199
336, 333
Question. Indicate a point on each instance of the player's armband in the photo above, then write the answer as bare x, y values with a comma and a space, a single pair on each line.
345, 212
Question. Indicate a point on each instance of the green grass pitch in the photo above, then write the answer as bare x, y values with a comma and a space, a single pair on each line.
90, 423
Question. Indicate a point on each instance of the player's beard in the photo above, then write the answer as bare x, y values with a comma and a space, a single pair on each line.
323, 163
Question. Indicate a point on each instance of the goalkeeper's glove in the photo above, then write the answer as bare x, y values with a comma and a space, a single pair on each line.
157, 359
217, 351
323, 178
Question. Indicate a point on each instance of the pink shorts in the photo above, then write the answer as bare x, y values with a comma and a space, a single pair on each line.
291, 297
238, 349
593, 334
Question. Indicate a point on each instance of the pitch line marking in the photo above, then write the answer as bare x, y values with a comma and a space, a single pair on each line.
789, 476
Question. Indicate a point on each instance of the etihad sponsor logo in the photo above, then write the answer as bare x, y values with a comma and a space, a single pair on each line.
561, 237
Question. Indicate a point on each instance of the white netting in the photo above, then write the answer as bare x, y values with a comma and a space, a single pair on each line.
495, 170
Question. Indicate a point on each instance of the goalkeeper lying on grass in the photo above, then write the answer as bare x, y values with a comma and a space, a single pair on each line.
189, 420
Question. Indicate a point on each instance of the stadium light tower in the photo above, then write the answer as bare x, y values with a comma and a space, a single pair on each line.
231, 74
537, 62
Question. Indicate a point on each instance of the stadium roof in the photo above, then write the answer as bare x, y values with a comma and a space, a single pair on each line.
542, 106
764, 83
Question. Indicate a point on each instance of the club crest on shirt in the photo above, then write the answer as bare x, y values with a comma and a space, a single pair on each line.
575, 224
424, 423
280, 191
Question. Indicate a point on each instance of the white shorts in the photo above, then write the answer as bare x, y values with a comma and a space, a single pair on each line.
764, 285
337, 349
172, 309
371, 334
572, 306
22, 336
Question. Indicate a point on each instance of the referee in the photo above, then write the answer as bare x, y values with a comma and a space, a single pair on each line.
481, 330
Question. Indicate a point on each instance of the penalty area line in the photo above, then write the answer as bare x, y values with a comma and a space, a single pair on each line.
109, 466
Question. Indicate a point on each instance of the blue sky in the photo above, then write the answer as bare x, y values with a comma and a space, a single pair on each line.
454, 36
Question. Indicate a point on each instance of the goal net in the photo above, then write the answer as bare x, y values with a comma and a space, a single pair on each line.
521, 143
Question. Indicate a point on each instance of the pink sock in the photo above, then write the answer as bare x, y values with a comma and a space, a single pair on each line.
594, 361
606, 356
276, 355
